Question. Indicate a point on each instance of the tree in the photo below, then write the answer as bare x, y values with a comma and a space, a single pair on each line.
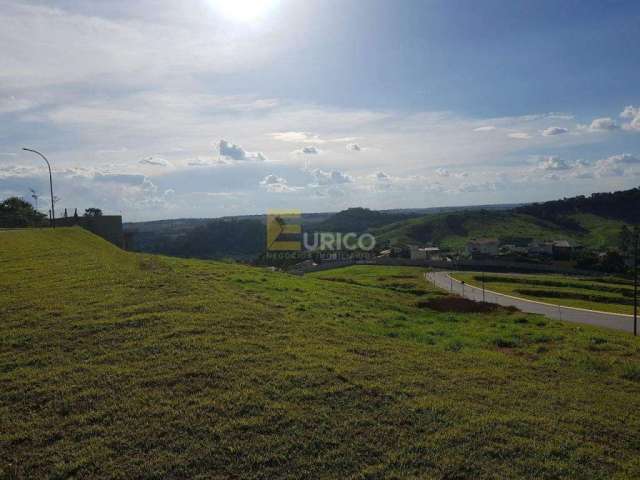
613, 262
93, 212
15, 212
625, 240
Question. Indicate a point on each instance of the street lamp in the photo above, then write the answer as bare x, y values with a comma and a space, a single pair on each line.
53, 210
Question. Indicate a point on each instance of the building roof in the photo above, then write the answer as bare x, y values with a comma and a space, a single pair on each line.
562, 244
484, 241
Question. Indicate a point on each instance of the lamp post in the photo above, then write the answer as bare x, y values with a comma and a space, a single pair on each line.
53, 211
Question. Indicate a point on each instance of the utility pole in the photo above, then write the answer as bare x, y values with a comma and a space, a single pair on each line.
483, 287
53, 211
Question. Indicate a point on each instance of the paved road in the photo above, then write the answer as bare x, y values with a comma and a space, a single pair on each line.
603, 319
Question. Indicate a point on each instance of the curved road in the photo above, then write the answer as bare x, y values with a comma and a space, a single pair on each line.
616, 321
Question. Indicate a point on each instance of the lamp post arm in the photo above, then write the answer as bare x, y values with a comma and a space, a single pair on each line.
53, 208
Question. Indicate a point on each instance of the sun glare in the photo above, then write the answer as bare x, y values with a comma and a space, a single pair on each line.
244, 10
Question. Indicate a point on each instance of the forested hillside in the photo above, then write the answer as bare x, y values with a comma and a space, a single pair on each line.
623, 205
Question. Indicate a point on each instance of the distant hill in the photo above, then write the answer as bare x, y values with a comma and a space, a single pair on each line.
243, 237
359, 220
593, 221
623, 205
454, 230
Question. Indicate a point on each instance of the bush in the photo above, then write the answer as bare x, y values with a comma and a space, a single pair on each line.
631, 372
503, 342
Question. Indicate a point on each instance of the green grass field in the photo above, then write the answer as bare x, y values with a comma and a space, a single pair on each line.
119, 365
603, 294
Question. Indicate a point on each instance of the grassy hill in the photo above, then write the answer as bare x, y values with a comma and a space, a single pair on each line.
593, 222
121, 365
454, 230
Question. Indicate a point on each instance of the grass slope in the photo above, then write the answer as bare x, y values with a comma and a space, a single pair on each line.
592, 293
119, 365
454, 230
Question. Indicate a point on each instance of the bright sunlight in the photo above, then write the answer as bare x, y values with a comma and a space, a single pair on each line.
244, 10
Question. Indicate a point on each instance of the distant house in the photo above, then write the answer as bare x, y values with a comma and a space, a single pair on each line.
510, 248
562, 250
483, 247
538, 247
558, 249
424, 253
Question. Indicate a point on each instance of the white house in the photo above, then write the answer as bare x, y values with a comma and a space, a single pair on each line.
424, 253
483, 247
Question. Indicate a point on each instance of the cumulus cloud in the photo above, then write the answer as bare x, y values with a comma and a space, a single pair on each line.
84, 187
333, 177
476, 187
442, 172
155, 161
633, 114
553, 163
616, 165
275, 184
354, 147
551, 131
311, 150
296, 137
630, 112
519, 135
603, 124
237, 153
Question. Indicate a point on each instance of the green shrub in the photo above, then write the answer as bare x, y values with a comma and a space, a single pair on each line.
631, 372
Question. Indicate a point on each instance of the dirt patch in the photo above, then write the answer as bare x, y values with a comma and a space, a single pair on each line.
462, 305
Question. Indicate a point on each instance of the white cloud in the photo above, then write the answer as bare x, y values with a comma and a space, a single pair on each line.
275, 184
519, 136
442, 172
551, 131
133, 49
630, 112
296, 137
353, 147
616, 165
633, 114
311, 150
382, 177
485, 128
553, 163
84, 187
206, 162
603, 124
237, 153
155, 161
334, 177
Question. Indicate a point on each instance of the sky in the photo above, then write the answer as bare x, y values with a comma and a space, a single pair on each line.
201, 108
